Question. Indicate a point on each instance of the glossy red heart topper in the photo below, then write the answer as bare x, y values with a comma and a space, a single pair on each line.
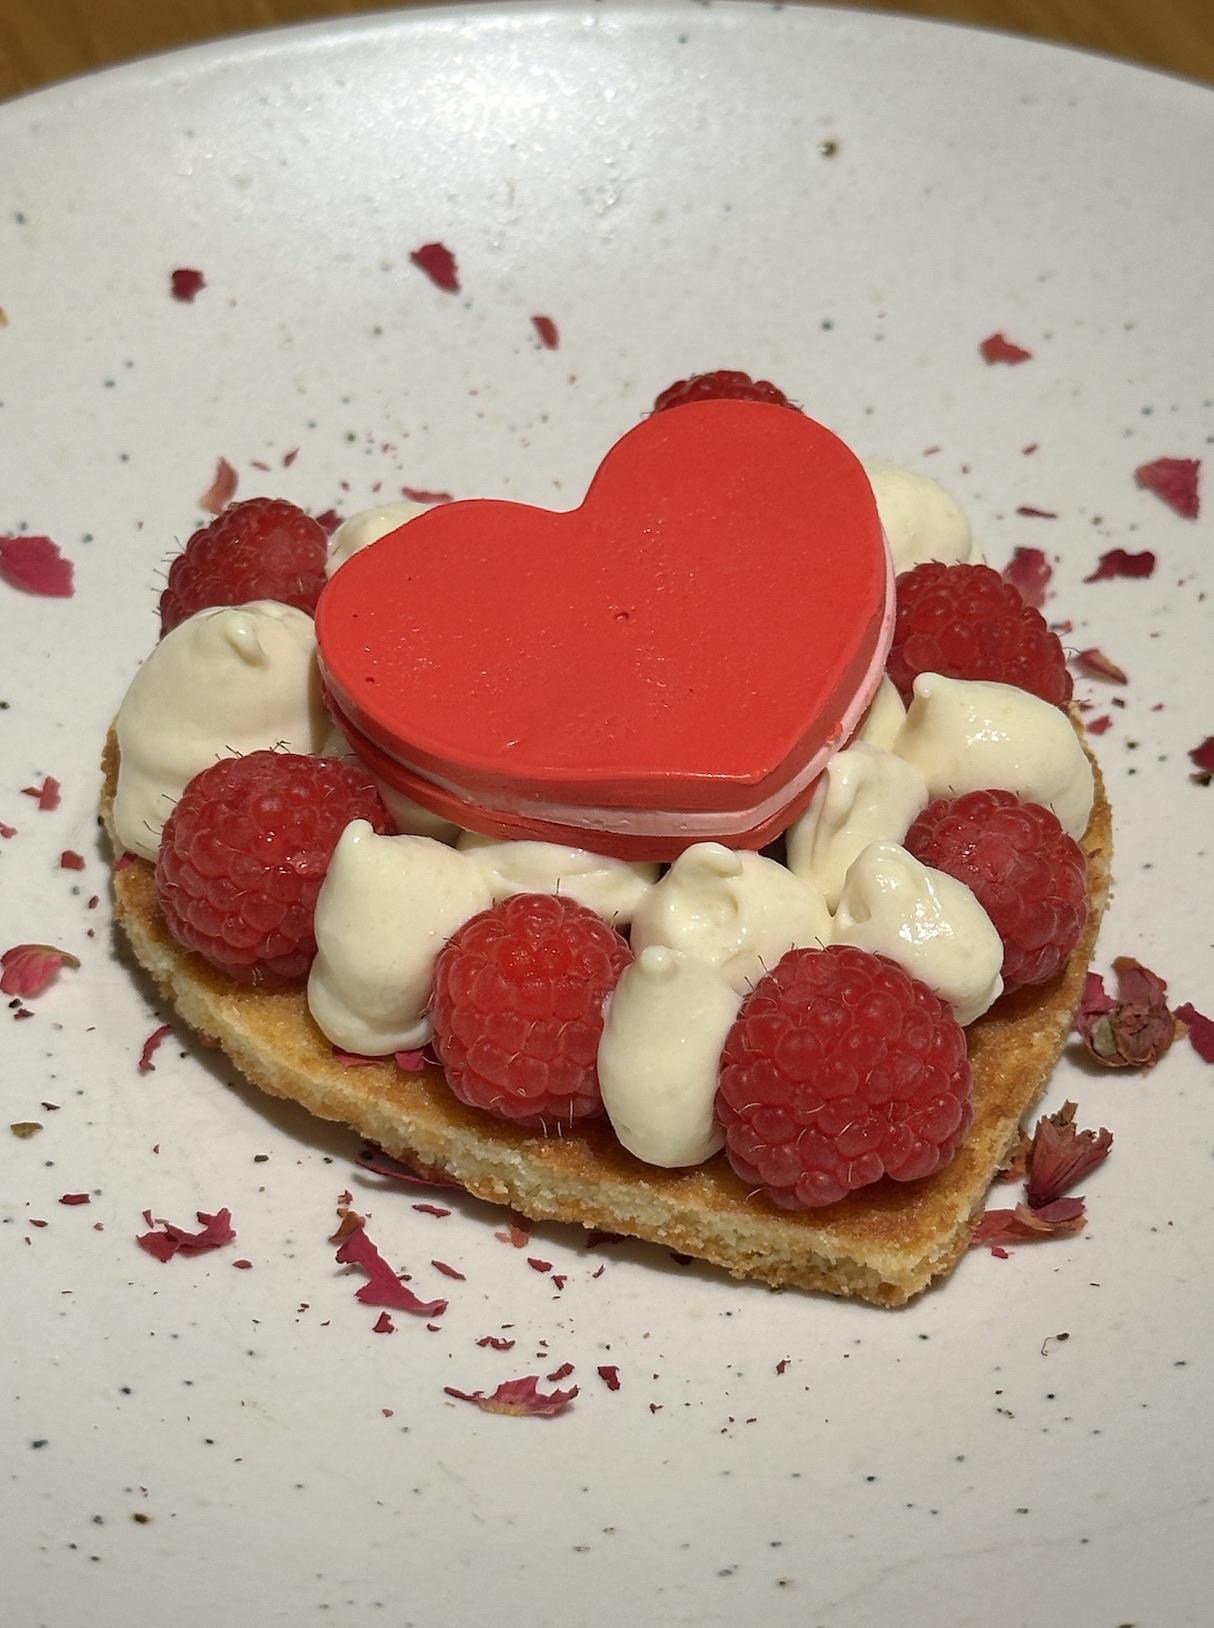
670, 662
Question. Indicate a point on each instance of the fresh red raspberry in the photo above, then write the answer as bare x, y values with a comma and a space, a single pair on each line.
264, 548
721, 386
964, 621
518, 1008
840, 1069
1025, 871
244, 852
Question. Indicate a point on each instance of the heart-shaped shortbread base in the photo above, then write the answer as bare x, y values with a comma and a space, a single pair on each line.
671, 662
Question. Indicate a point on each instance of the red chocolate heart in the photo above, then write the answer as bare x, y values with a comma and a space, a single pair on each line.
673, 661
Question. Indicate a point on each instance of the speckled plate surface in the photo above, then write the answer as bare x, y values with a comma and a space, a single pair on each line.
847, 204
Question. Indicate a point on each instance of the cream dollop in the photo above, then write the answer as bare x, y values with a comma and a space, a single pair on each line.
865, 795
922, 521
735, 910
928, 922
968, 735
366, 527
386, 907
884, 717
227, 681
612, 888
660, 1054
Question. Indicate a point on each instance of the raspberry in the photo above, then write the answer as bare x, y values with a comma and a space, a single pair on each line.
244, 852
840, 1069
264, 548
518, 1008
964, 621
1025, 871
721, 386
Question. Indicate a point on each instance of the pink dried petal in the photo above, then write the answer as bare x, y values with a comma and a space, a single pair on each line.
375, 1159
547, 331
448, 1271
1175, 481
1023, 1225
1061, 1156
1136, 1029
1099, 726
29, 968
383, 1324
1029, 572
185, 283
222, 489
495, 1342
384, 1287
610, 1375
418, 494
1201, 1030
151, 1046
1095, 664
46, 795
519, 1233
1203, 757
70, 860
35, 565
75, 1198
216, 1231
998, 349
520, 1397
1032, 513
1117, 563
438, 263
328, 521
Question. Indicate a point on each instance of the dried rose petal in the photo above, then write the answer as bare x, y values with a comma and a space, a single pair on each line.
998, 349
75, 1198
1203, 757
46, 795
384, 1287
35, 565
1201, 1030
418, 494
438, 263
375, 1159
29, 968
519, 1397
1099, 726
1061, 1156
1024, 1225
216, 1231
383, 1324
1029, 572
495, 1342
70, 860
151, 1046
1095, 664
610, 1376
1175, 481
222, 489
184, 283
448, 1271
1117, 563
547, 330
1136, 1029
1033, 513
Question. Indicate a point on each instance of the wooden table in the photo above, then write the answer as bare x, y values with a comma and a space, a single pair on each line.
45, 40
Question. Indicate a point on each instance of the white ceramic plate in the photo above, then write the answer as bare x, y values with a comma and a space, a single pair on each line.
847, 204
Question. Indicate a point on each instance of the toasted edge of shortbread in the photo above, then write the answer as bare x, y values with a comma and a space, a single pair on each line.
883, 1244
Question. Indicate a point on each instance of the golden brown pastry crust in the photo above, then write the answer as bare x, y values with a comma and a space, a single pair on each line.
883, 1244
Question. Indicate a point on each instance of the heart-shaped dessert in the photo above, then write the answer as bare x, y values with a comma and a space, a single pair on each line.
671, 662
